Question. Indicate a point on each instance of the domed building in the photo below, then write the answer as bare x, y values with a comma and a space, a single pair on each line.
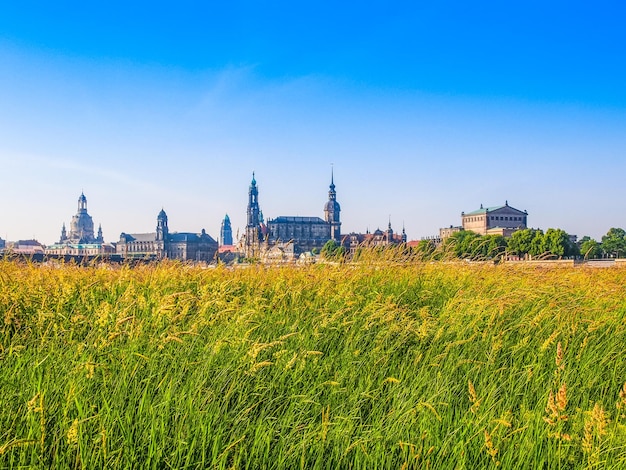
81, 239
81, 226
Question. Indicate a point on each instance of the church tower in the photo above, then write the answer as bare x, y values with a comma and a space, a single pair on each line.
63, 234
253, 226
332, 210
389, 232
162, 234
226, 233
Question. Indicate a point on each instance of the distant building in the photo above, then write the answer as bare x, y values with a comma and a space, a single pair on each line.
289, 235
25, 247
162, 243
447, 232
2, 244
498, 220
353, 241
226, 232
81, 226
81, 239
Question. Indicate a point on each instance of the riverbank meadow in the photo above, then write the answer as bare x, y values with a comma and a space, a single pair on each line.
364, 366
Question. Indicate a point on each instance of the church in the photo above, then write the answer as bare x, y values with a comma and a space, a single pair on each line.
81, 240
289, 235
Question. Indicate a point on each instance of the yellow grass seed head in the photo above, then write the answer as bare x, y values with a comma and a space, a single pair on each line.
559, 357
491, 449
561, 398
260, 365
72, 433
391, 380
474, 400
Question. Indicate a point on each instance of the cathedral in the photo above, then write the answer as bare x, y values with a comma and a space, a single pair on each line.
162, 243
81, 240
292, 234
81, 227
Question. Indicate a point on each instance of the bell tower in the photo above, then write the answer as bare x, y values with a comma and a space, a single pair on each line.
162, 233
253, 226
332, 211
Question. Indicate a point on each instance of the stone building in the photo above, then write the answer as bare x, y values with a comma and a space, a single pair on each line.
290, 234
498, 220
226, 232
81, 239
162, 243
353, 241
81, 226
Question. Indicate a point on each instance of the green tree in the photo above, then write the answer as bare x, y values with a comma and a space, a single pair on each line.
462, 244
537, 244
614, 242
333, 251
425, 249
589, 248
527, 241
496, 245
557, 242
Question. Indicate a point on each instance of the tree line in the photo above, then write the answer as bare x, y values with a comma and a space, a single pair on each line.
523, 244
531, 244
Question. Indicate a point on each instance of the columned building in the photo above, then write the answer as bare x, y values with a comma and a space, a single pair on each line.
497, 220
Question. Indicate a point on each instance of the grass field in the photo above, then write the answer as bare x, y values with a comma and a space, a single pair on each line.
363, 366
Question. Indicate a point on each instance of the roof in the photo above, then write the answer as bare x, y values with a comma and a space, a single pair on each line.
190, 237
285, 219
484, 210
139, 237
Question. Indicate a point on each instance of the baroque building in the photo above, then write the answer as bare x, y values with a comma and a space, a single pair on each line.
81, 239
162, 243
81, 226
289, 235
353, 241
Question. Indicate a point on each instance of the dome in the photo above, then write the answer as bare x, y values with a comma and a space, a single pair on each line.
332, 206
162, 215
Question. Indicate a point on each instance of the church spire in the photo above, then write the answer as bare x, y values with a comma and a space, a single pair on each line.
332, 209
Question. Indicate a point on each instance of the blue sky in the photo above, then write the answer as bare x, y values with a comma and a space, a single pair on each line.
425, 110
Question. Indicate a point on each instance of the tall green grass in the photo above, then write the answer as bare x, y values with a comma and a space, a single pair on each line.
349, 366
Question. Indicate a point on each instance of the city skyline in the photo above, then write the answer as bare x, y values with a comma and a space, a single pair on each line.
425, 112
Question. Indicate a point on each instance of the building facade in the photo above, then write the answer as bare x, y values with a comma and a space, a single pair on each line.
290, 234
162, 244
81, 240
498, 220
379, 238
226, 232
81, 226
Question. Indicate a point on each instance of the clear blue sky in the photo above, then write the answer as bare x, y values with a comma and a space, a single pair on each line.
425, 111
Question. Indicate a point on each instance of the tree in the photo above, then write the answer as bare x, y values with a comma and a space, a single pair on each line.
496, 245
590, 248
557, 243
461, 243
614, 242
537, 244
527, 241
333, 250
